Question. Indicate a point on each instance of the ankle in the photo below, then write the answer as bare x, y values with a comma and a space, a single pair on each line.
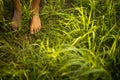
18, 12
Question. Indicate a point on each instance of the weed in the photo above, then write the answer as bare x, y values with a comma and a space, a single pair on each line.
79, 40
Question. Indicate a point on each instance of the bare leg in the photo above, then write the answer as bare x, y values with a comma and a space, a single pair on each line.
35, 22
17, 14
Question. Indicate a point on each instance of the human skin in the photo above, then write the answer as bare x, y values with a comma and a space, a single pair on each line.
35, 24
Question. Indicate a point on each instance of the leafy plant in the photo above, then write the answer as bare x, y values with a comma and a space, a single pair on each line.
79, 40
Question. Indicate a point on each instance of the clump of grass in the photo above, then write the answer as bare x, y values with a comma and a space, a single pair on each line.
79, 40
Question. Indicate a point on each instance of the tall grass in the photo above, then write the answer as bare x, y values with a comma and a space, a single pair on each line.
79, 40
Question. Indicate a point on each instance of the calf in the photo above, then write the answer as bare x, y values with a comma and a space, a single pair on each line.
35, 24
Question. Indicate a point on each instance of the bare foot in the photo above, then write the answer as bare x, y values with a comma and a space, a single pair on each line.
16, 20
35, 24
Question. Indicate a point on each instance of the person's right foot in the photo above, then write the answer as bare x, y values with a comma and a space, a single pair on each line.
16, 20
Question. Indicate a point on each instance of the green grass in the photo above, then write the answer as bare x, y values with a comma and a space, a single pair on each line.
79, 40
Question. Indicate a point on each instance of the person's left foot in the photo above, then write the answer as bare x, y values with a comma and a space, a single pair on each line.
35, 25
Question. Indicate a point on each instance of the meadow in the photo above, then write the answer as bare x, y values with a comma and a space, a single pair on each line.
79, 40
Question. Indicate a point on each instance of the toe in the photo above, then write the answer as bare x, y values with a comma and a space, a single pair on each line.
38, 29
14, 27
31, 31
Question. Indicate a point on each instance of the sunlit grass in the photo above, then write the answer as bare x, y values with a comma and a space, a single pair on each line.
79, 40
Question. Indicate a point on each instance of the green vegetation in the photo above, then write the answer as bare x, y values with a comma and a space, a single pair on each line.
79, 40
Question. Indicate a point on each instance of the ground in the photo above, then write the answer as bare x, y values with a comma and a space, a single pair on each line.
78, 39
